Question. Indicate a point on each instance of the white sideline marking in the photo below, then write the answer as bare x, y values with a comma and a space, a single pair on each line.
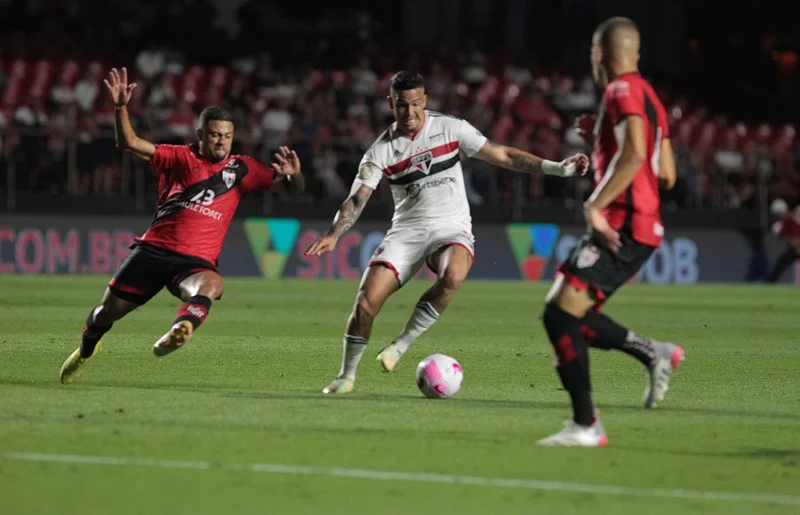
295, 470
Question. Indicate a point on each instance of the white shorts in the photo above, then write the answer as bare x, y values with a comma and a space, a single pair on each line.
404, 250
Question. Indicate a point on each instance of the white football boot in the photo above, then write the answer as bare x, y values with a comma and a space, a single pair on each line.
338, 386
575, 435
389, 357
668, 358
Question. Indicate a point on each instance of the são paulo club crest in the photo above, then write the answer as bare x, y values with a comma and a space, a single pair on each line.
422, 162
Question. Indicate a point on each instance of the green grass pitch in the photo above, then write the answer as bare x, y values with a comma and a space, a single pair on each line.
235, 423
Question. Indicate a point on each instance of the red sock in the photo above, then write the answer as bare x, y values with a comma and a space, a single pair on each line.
195, 311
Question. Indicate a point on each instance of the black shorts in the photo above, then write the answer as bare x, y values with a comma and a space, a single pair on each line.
148, 269
592, 266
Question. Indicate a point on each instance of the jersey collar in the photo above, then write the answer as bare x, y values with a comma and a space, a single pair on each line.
413, 137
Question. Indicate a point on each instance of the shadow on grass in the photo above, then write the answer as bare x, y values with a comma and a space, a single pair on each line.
236, 392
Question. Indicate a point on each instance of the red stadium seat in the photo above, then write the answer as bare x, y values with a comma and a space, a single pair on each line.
71, 70
565, 84
16, 83
192, 83
488, 92
510, 94
41, 79
503, 128
764, 131
543, 84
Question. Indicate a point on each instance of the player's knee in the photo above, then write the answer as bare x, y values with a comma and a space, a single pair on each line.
560, 327
111, 309
103, 315
366, 308
453, 277
212, 288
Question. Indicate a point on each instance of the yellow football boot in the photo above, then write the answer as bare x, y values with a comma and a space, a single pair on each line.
75, 363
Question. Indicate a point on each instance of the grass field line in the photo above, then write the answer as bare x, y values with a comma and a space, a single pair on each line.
415, 477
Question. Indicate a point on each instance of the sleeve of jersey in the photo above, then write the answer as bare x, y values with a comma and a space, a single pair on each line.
369, 173
166, 156
624, 99
470, 139
259, 176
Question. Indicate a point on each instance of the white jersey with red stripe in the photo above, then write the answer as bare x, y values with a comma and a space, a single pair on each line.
423, 170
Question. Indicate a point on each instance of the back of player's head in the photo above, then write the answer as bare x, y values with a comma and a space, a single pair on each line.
405, 80
214, 114
618, 35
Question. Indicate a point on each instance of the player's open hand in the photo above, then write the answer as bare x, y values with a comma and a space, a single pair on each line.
118, 87
577, 165
322, 246
599, 226
584, 126
286, 162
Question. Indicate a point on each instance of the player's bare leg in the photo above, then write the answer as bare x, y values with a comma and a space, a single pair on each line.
565, 308
196, 291
99, 322
377, 284
453, 263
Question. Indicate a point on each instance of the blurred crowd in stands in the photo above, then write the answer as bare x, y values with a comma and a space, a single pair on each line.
329, 103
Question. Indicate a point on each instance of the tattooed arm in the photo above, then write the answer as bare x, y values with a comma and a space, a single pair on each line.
345, 218
520, 161
350, 211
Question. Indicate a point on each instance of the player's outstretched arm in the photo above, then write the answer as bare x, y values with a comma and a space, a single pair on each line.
520, 161
345, 218
125, 136
667, 173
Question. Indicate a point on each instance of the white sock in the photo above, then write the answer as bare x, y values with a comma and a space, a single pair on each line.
353, 349
423, 317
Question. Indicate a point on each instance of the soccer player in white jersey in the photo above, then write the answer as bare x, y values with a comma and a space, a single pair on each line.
419, 155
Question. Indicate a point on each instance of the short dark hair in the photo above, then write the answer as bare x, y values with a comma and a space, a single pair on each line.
214, 113
405, 80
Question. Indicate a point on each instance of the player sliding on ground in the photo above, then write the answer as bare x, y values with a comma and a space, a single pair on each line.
199, 186
419, 155
632, 154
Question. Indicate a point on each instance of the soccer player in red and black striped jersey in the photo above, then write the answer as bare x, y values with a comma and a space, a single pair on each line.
200, 187
632, 157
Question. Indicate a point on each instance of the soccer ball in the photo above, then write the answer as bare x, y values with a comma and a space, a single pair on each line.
439, 376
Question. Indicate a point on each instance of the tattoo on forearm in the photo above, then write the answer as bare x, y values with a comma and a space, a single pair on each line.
525, 163
349, 212
345, 218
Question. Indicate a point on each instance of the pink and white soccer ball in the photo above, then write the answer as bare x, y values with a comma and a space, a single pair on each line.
439, 376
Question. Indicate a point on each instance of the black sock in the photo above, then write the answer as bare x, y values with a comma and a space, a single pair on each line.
602, 332
195, 310
784, 261
572, 357
91, 334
